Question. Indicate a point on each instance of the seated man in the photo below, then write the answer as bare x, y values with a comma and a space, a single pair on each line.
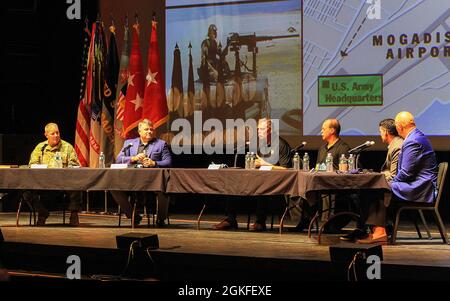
416, 178
44, 153
284, 160
331, 129
368, 204
150, 152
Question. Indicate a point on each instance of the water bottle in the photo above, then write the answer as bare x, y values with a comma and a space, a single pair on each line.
252, 160
101, 160
306, 162
58, 160
351, 162
247, 160
329, 163
296, 161
343, 165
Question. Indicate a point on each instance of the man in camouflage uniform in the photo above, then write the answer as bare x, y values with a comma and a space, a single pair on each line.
44, 153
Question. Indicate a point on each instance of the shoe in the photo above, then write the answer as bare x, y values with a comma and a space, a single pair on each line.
370, 240
300, 227
160, 224
74, 220
226, 225
257, 227
42, 217
137, 219
354, 235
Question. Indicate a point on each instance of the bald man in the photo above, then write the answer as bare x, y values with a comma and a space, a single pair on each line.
416, 178
331, 129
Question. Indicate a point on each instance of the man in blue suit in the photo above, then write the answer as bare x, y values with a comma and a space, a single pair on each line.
416, 176
149, 152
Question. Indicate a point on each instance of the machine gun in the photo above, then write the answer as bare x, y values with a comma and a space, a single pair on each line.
235, 41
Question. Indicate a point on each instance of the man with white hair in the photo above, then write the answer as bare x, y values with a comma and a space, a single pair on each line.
149, 152
45, 153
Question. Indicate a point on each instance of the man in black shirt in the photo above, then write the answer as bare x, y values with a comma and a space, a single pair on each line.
333, 143
284, 160
331, 129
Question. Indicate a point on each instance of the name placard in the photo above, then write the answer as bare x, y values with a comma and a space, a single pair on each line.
119, 165
38, 166
266, 167
215, 166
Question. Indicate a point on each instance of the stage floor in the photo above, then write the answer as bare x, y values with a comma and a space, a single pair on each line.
182, 237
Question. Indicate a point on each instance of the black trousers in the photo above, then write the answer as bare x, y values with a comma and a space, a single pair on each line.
35, 196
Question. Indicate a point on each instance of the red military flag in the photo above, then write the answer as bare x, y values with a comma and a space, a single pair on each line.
83, 115
135, 89
121, 93
155, 103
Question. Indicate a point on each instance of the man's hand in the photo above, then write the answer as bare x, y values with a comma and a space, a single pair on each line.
260, 162
148, 162
139, 157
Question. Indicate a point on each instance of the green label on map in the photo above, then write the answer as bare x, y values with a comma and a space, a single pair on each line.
351, 90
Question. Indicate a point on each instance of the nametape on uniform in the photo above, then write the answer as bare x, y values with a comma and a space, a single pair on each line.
119, 165
38, 166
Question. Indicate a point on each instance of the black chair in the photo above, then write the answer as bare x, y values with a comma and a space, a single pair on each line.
420, 206
133, 199
33, 210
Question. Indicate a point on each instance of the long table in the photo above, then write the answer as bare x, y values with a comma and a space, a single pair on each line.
290, 183
85, 179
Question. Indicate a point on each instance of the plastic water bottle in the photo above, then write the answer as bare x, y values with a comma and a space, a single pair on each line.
306, 162
58, 160
296, 161
343, 165
252, 160
351, 162
247, 160
101, 160
329, 163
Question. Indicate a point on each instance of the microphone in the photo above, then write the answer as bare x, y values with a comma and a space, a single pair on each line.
361, 147
298, 147
127, 148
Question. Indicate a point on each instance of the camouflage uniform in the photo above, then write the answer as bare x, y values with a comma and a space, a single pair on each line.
47, 155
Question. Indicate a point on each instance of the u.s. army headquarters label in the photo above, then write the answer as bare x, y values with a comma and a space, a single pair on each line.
350, 90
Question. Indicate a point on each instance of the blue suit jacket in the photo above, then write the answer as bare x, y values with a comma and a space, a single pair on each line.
417, 170
158, 151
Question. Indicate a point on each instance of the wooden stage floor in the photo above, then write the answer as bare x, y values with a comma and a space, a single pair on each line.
182, 238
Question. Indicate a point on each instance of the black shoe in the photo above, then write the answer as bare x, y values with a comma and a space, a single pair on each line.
42, 217
389, 229
74, 220
300, 227
354, 235
137, 219
160, 224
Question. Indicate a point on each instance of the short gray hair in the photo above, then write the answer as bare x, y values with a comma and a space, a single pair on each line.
144, 122
50, 125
